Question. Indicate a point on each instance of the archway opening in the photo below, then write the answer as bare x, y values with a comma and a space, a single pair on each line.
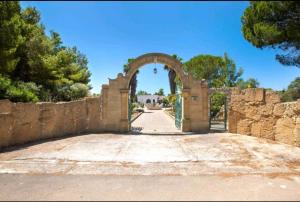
155, 100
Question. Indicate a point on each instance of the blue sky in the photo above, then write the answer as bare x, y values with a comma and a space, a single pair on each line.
110, 32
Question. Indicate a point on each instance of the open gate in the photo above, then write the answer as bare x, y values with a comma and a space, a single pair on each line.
178, 110
218, 121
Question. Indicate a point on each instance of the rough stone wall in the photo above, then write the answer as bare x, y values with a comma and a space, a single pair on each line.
25, 122
260, 113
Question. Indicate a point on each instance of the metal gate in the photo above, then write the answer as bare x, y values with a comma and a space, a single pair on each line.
129, 109
178, 110
218, 123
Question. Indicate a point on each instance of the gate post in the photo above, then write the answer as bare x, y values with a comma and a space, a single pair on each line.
124, 123
186, 122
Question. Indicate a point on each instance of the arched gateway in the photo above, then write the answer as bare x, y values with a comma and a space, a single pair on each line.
194, 96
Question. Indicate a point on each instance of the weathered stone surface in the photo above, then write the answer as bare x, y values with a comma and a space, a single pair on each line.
298, 106
265, 110
279, 109
244, 127
267, 128
26, 125
6, 106
94, 114
272, 97
254, 94
25, 122
284, 130
253, 113
256, 129
47, 119
6, 129
290, 109
297, 132
263, 116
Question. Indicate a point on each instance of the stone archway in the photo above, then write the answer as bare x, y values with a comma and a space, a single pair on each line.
194, 94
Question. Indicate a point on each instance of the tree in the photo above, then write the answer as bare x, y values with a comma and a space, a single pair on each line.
204, 67
292, 92
10, 35
133, 81
141, 92
35, 63
172, 75
218, 71
160, 92
250, 83
274, 24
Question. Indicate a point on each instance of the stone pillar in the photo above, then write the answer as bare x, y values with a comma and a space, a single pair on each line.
124, 122
186, 122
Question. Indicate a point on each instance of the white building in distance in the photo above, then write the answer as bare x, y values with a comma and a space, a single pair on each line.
150, 99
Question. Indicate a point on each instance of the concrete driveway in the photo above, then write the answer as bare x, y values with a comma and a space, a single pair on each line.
163, 165
153, 122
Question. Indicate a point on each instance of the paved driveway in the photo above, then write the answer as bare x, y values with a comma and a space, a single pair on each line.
154, 121
151, 167
112, 154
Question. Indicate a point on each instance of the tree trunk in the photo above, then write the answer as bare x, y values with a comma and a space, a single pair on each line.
172, 75
133, 85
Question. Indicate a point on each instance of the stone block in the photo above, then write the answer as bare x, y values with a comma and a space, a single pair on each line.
272, 97
47, 119
69, 123
6, 129
256, 129
284, 129
244, 127
279, 109
26, 126
265, 110
252, 112
298, 106
254, 95
297, 132
94, 123
290, 109
268, 128
80, 115
6, 106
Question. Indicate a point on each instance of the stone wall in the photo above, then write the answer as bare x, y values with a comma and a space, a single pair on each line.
25, 122
260, 113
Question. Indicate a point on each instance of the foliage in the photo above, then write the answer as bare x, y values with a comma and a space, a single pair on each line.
173, 77
160, 92
292, 93
133, 81
218, 71
249, 83
141, 92
217, 101
172, 100
274, 24
18, 91
165, 101
28, 55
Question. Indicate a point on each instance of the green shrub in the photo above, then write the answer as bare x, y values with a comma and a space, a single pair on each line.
18, 91
217, 101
